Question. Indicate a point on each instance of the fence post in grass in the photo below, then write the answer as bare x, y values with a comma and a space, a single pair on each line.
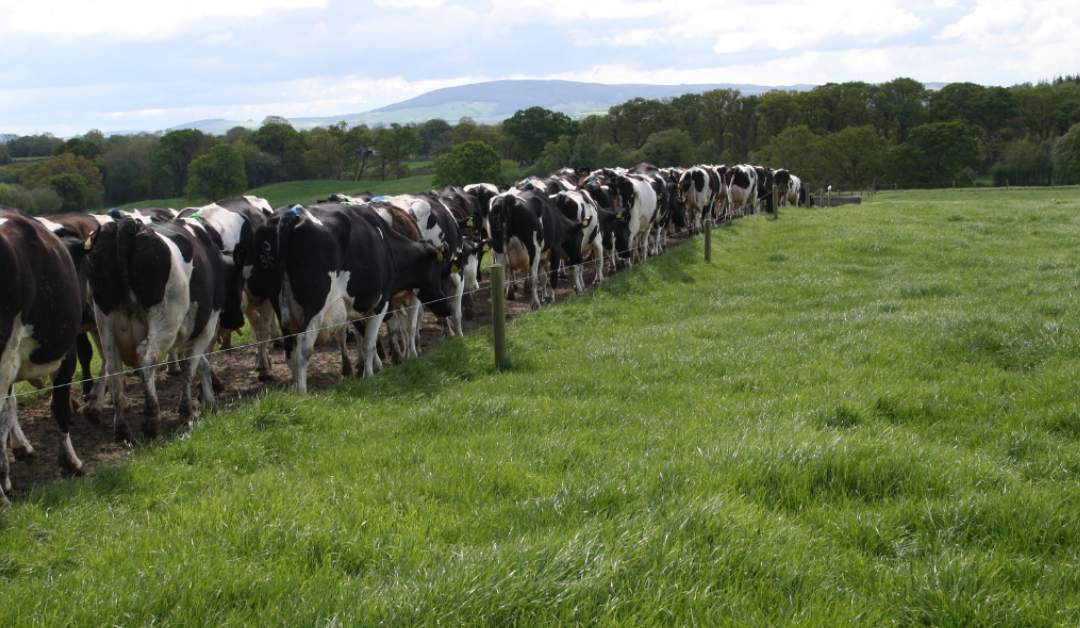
708, 240
498, 316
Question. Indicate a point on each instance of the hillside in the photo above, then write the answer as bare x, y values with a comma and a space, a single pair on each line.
495, 101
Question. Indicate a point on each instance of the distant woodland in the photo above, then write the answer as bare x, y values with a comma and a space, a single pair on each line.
849, 135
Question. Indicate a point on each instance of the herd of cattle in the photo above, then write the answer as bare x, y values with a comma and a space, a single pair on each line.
156, 282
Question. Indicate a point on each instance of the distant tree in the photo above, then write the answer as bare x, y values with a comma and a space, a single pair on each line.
327, 154
716, 104
585, 152
794, 149
127, 168
259, 168
217, 174
78, 146
358, 142
1067, 157
779, 110
169, 164
609, 155
429, 132
235, 133
532, 128
275, 120
67, 163
854, 157
5, 155
557, 154
938, 154
469, 162
901, 106
72, 189
95, 136
686, 113
274, 137
43, 200
674, 147
636, 119
743, 130
395, 143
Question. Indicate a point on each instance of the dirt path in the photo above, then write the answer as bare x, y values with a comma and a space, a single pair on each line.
96, 446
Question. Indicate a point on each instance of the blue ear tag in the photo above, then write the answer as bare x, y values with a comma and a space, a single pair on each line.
378, 199
295, 209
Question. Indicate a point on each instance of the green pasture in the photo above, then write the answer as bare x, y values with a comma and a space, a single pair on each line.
858, 416
307, 192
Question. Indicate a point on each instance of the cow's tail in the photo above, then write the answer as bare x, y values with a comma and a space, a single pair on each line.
286, 224
126, 231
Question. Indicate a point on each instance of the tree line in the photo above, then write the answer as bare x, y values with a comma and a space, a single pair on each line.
853, 135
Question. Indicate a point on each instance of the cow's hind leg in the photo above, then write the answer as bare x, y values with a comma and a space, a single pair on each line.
371, 338
7, 420
70, 465
342, 336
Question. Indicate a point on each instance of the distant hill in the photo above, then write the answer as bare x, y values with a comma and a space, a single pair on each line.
495, 101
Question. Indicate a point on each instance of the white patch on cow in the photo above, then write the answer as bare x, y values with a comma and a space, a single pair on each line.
313, 218
260, 204
50, 225
3, 220
102, 218
384, 214
228, 224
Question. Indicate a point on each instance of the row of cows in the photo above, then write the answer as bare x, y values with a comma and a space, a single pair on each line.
156, 282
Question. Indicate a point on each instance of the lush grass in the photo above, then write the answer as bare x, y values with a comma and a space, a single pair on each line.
307, 192
859, 416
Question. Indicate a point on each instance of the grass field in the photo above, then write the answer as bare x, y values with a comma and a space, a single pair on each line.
865, 415
307, 192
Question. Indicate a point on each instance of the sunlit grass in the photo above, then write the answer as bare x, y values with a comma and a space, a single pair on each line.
865, 415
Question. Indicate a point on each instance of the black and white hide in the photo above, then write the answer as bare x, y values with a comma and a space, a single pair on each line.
639, 206
527, 235
334, 263
235, 220
741, 189
41, 303
579, 208
160, 288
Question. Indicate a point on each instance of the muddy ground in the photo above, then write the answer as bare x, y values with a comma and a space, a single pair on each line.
96, 446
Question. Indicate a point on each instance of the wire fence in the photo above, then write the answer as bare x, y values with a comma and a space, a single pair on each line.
153, 367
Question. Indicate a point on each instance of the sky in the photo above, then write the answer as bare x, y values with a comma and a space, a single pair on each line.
128, 65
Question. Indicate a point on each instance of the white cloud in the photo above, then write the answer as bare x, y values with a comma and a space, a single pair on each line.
133, 19
638, 37
410, 4
563, 10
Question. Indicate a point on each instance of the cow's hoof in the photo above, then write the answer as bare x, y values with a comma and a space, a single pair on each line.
24, 453
535, 305
70, 470
92, 414
265, 377
122, 433
150, 428
216, 383
346, 369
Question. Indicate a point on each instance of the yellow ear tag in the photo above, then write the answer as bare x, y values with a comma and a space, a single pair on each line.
585, 223
455, 269
439, 254
88, 245
486, 248
469, 223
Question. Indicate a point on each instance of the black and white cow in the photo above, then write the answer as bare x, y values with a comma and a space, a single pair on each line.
741, 189
527, 234
235, 220
161, 287
41, 304
581, 209
639, 206
699, 189
765, 198
328, 264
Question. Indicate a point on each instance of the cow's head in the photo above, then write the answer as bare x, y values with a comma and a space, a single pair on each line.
500, 209
625, 198
435, 286
467, 261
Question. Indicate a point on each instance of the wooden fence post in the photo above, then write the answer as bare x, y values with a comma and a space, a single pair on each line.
498, 316
708, 240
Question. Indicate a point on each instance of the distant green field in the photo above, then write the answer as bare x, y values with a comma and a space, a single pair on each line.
307, 192
859, 416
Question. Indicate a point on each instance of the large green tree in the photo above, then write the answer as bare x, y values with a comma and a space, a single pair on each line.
468, 162
394, 144
938, 154
169, 164
217, 174
854, 157
674, 147
531, 129
1067, 157
901, 106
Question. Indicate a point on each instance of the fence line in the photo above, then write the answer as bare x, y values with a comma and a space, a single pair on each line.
154, 367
